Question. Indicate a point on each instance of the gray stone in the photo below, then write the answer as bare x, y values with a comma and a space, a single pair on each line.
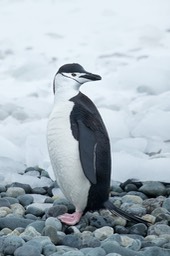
98, 251
12, 200
29, 233
4, 202
51, 221
159, 229
98, 221
138, 229
39, 190
152, 251
4, 211
38, 225
51, 232
43, 240
56, 210
76, 253
26, 200
153, 188
72, 241
113, 254
114, 247
35, 244
14, 222
11, 243
103, 233
26, 187
49, 249
15, 192
132, 199
35, 211
26, 250
64, 202
89, 241
18, 209
166, 204
135, 209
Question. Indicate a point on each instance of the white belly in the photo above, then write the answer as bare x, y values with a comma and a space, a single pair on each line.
64, 155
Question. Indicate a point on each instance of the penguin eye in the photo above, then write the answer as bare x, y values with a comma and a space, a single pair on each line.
73, 74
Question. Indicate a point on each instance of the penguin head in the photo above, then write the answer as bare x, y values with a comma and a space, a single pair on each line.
73, 75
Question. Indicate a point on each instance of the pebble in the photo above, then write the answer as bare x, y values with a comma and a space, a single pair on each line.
49, 249
132, 199
14, 222
166, 204
25, 200
4, 202
18, 209
54, 222
51, 232
38, 225
27, 249
11, 243
15, 192
103, 233
159, 229
35, 211
29, 233
138, 229
153, 188
31, 216
26, 187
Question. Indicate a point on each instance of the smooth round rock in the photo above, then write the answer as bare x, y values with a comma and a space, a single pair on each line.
132, 199
18, 209
26, 250
26, 187
15, 192
103, 233
4, 202
35, 211
155, 250
38, 225
11, 243
4, 211
30, 232
72, 241
39, 190
114, 247
26, 200
159, 229
98, 251
14, 222
75, 253
49, 249
54, 222
166, 204
51, 232
56, 210
153, 188
138, 229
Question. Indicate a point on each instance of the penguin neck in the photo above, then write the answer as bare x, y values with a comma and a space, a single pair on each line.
66, 91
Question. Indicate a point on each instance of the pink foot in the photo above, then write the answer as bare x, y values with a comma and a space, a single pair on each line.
70, 219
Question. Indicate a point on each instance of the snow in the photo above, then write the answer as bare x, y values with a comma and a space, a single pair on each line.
127, 42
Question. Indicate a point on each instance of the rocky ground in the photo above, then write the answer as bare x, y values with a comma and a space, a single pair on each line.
28, 223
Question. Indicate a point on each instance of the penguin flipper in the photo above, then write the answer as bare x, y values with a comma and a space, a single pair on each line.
87, 148
130, 217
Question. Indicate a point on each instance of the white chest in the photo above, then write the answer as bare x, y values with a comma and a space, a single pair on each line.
64, 155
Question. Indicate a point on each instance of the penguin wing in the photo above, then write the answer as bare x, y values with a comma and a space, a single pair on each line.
94, 146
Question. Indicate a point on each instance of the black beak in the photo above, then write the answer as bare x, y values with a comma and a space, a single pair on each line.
90, 76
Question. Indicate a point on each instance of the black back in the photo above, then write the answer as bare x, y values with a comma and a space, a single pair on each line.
94, 147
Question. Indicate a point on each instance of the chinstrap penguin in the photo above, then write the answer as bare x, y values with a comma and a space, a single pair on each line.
79, 146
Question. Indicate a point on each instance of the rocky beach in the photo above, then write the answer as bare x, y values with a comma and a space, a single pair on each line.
29, 224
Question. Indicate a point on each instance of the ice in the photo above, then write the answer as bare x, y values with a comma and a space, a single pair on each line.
126, 42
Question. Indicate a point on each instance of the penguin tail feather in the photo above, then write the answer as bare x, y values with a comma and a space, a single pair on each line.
130, 217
